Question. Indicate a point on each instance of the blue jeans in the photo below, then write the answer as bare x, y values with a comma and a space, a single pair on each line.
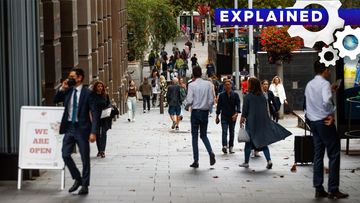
248, 147
326, 137
225, 125
199, 120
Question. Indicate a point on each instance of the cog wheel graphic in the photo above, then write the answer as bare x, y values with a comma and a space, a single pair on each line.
339, 43
331, 62
326, 34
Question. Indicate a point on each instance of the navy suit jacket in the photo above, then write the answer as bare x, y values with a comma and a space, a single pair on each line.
85, 106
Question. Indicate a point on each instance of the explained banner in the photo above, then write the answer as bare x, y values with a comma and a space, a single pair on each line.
40, 141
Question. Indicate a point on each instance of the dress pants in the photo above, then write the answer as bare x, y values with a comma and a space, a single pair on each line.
72, 137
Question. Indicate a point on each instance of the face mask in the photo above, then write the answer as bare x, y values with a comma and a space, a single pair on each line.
71, 82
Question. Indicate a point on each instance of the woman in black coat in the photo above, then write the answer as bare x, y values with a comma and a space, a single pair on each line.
102, 102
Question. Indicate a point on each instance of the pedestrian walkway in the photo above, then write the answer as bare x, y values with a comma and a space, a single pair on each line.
146, 161
200, 51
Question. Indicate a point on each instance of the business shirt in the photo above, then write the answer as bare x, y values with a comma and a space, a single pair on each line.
228, 105
200, 94
79, 88
318, 96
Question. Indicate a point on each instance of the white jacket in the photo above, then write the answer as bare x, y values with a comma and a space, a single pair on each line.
278, 91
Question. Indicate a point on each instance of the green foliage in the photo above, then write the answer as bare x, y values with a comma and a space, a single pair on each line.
138, 34
150, 23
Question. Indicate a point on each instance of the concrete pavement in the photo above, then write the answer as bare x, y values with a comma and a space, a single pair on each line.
146, 161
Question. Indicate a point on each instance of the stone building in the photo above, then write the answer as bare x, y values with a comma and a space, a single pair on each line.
40, 41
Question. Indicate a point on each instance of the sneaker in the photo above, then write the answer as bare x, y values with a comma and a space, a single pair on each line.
231, 150
224, 150
98, 154
212, 159
176, 127
269, 165
245, 165
321, 194
337, 195
102, 155
129, 119
181, 117
133, 120
173, 125
144, 111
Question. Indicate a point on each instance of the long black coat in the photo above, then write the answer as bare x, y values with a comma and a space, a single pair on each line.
101, 104
261, 129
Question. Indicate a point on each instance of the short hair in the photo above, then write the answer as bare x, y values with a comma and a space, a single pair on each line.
175, 81
262, 82
197, 72
319, 68
227, 80
79, 72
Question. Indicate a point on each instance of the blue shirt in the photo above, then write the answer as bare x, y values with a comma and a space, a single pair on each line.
200, 94
318, 97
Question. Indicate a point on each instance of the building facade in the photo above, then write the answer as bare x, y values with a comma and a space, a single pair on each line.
42, 40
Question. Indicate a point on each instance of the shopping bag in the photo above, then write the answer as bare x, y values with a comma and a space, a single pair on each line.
243, 136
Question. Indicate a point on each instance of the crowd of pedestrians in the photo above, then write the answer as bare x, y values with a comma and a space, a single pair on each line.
86, 119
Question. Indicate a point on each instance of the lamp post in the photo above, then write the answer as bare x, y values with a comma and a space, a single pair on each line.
237, 77
251, 45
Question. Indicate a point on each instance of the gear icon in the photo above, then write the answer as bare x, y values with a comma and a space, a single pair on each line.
339, 43
326, 34
331, 62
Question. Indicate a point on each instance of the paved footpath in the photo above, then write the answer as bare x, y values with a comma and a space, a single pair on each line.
146, 161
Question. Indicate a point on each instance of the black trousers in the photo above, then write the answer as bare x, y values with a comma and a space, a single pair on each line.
146, 100
72, 137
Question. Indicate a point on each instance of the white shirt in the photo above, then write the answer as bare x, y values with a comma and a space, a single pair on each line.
70, 108
318, 99
200, 94
278, 91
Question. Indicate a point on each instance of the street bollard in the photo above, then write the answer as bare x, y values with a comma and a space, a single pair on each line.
161, 104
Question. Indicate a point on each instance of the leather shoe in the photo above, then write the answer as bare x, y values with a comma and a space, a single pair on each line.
321, 194
195, 165
212, 159
83, 191
75, 186
338, 195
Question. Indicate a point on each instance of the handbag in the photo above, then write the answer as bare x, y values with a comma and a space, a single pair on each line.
106, 112
243, 136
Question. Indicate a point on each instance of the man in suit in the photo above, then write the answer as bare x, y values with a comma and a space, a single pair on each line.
79, 124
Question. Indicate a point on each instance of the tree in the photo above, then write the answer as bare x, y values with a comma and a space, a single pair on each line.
150, 23
138, 28
163, 24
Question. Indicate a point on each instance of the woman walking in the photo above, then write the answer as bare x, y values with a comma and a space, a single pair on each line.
280, 97
102, 102
260, 128
131, 99
254, 113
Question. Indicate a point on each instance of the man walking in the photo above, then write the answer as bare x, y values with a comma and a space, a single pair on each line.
200, 97
174, 101
145, 89
78, 126
229, 107
320, 111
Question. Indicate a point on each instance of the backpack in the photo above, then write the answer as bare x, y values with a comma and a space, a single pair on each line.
182, 94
